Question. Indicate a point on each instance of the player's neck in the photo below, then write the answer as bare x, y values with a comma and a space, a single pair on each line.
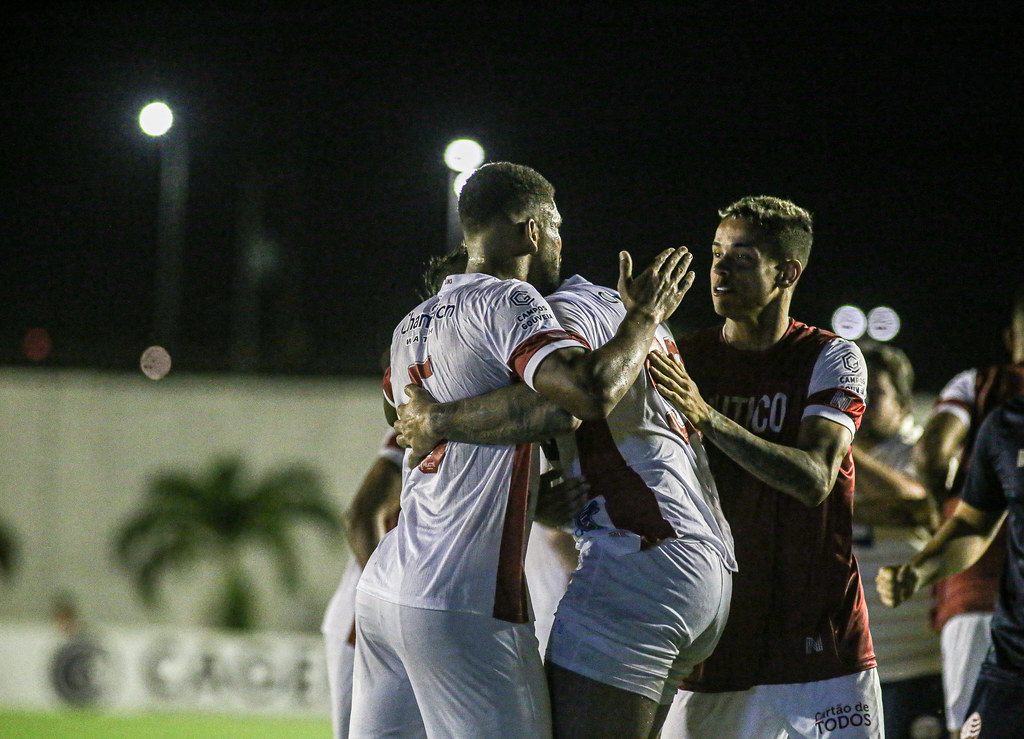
759, 331
506, 268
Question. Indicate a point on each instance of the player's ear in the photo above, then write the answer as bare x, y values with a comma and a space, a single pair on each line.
528, 237
788, 272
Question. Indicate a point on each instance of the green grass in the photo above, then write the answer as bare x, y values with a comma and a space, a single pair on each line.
90, 725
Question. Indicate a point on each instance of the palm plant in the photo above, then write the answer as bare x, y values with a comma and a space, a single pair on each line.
217, 515
8, 550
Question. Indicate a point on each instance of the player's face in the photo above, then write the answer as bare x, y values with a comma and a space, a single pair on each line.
743, 272
883, 413
546, 265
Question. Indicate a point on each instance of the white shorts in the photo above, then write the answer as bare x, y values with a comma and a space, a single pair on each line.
340, 655
965, 642
337, 627
420, 672
640, 620
546, 577
848, 707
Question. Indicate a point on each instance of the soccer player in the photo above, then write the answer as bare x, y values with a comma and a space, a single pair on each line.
651, 594
443, 647
373, 510
893, 518
964, 602
992, 493
779, 401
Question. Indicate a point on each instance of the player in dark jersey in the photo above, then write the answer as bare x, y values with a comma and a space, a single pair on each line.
963, 603
994, 491
783, 401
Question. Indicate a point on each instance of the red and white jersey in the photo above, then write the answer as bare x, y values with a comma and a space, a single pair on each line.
647, 470
462, 532
798, 611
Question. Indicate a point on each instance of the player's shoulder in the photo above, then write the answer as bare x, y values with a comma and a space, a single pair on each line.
487, 292
804, 333
576, 288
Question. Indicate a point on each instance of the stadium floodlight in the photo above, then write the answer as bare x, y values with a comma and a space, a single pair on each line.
883, 323
156, 119
460, 181
463, 155
849, 322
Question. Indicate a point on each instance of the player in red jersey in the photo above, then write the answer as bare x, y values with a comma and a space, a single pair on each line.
964, 602
780, 402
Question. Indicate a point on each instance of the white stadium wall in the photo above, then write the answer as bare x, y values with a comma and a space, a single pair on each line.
79, 447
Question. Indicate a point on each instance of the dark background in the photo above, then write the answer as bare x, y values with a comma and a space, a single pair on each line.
898, 130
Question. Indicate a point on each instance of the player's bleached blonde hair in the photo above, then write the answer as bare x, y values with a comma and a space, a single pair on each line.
788, 226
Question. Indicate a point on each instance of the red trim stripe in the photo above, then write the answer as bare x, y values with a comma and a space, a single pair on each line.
510, 599
525, 351
630, 503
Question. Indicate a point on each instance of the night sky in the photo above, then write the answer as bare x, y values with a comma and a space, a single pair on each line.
327, 127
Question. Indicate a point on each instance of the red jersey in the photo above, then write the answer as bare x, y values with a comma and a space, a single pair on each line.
798, 610
974, 394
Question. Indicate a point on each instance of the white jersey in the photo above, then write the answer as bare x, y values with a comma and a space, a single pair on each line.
462, 531
958, 397
647, 470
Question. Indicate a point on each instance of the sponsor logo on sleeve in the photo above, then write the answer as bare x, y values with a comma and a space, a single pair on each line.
851, 362
608, 297
521, 297
537, 314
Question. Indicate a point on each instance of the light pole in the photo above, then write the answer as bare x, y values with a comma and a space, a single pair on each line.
462, 156
156, 120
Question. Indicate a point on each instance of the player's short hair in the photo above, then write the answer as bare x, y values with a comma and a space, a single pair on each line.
439, 266
894, 362
514, 191
788, 226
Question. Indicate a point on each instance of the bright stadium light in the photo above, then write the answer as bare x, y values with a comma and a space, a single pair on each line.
849, 322
883, 323
460, 181
463, 154
156, 119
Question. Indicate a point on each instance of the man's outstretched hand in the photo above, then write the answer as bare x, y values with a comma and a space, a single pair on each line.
413, 425
659, 289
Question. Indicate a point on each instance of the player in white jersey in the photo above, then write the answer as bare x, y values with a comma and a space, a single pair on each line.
651, 595
443, 644
373, 509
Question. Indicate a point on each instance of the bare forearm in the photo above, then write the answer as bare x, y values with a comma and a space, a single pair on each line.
512, 415
955, 546
590, 384
887, 497
792, 471
937, 452
361, 532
